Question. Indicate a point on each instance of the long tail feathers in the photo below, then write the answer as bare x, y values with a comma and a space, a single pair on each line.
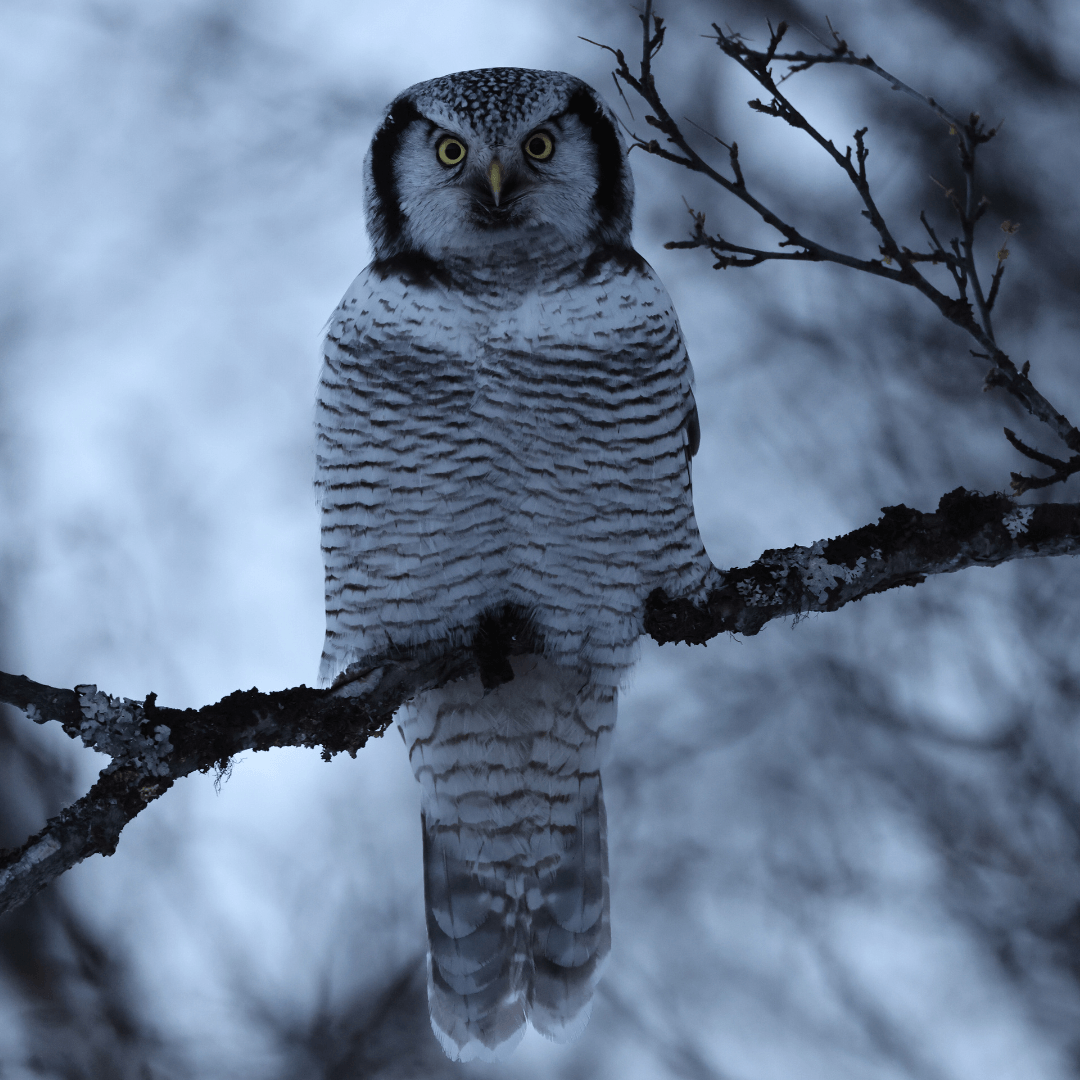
515, 854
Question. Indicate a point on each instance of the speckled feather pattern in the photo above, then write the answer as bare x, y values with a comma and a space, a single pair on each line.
506, 424
495, 100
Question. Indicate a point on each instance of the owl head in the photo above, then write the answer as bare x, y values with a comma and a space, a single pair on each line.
479, 159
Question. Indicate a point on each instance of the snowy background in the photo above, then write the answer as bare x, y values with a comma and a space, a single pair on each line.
849, 848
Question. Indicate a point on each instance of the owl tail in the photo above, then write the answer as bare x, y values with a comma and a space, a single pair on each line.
515, 854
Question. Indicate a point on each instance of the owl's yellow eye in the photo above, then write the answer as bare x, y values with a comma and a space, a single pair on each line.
451, 151
539, 146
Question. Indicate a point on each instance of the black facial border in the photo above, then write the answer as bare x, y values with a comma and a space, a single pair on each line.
610, 198
384, 149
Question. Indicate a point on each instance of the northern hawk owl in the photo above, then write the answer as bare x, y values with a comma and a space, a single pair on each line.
505, 428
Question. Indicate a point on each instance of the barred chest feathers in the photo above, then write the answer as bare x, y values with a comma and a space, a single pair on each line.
486, 443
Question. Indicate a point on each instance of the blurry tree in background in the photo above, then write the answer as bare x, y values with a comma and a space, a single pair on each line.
845, 849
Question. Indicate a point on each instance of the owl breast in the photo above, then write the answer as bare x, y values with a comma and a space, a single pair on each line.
484, 443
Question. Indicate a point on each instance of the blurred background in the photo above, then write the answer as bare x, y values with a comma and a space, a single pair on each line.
844, 848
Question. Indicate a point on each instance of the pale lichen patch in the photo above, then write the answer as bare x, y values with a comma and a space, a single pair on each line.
1017, 520
115, 726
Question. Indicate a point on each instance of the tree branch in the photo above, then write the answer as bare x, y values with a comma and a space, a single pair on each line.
897, 263
903, 548
151, 746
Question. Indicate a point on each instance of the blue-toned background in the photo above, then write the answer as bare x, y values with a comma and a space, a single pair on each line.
848, 848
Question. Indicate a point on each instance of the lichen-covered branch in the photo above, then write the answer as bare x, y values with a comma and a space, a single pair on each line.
152, 746
903, 548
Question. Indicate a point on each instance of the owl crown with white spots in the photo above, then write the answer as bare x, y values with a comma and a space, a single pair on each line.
559, 160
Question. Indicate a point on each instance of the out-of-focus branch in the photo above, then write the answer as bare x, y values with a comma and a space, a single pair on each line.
970, 309
152, 746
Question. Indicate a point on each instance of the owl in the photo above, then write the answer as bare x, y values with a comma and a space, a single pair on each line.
505, 427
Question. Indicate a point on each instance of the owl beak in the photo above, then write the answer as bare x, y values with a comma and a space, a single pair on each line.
495, 179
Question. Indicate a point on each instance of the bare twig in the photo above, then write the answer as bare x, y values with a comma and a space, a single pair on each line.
720, 248
1062, 469
970, 309
1007, 227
